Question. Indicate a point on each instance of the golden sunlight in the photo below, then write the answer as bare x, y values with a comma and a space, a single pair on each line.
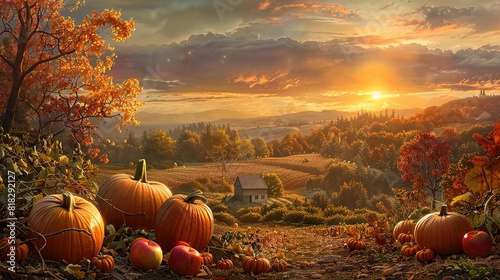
376, 94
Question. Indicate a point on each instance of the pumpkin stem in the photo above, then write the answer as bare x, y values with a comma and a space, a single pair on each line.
68, 202
140, 171
194, 196
443, 212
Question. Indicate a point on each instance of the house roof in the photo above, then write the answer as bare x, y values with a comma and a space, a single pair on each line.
252, 182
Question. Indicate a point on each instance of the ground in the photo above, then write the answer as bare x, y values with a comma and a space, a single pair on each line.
311, 252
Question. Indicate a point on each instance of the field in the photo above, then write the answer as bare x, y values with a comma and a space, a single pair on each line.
294, 171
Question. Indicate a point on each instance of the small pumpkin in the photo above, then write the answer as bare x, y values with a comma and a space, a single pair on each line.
424, 255
21, 251
279, 265
255, 265
409, 249
405, 238
185, 218
103, 263
133, 201
442, 232
356, 244
404, 226
206, 258
65, 212
225, 264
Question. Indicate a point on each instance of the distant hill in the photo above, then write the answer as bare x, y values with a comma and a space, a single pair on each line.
467, 110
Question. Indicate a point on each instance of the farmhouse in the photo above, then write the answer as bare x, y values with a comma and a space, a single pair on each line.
250, 189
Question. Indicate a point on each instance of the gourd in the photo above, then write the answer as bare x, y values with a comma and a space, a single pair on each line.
424, 255
409, 249
405, 238
442, 232
103, 263
21, 251
79, 222
133, 201
255, 265
206, 258
224, 264
404, 226
184, 218
355, 244
279, 265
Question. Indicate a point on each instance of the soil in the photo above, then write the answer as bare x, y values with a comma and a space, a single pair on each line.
311, 253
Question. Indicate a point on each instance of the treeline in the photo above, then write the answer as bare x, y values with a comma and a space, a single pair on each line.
366, 139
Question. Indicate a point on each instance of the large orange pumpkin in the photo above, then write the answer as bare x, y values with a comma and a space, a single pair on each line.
133, 201
65, 212
184, 218
404, 226
442, 232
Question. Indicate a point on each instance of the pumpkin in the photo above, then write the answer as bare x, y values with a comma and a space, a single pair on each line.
355, 244
404, 226
405, 238
80, 220
424, 255
255, 265
184, 218
206, 258
279, 265
224, 264
409, 249
133, 201
103, 263
442, 232
21, 251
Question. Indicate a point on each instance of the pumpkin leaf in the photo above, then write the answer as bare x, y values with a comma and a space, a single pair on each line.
75, 270
466, 198
481, 179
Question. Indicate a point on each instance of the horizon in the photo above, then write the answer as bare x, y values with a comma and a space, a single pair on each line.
272, 58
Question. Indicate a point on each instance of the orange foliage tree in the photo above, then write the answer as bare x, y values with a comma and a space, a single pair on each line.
424, 160
58, 68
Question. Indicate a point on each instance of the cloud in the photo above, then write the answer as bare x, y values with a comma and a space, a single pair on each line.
477, 19
286, 67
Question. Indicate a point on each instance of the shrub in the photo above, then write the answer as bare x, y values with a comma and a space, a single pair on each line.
312, 210
203, 180
221, 186
295, 216
312, 219
354, 219
241, 212
192, 186
331, 210
334, 220
225, 218
252, 217
275, 215
360, 211
220, 208
387, 200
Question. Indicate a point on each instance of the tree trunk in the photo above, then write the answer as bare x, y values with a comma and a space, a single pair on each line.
10, 111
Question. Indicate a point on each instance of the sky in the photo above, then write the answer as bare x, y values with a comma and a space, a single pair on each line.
266, 57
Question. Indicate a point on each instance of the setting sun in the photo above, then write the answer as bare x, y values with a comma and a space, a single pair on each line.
376, 95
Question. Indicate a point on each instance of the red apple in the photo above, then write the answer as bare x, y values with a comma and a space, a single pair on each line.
184, 260
477, 243
145, 254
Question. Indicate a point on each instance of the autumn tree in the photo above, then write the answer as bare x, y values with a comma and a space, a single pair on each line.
260, 147
54, 69
158, 147
188, 146
424, 160
352, 195
274, 184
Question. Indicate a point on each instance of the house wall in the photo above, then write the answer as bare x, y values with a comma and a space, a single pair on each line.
254, 196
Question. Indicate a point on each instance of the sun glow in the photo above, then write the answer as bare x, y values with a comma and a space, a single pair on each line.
376, 94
